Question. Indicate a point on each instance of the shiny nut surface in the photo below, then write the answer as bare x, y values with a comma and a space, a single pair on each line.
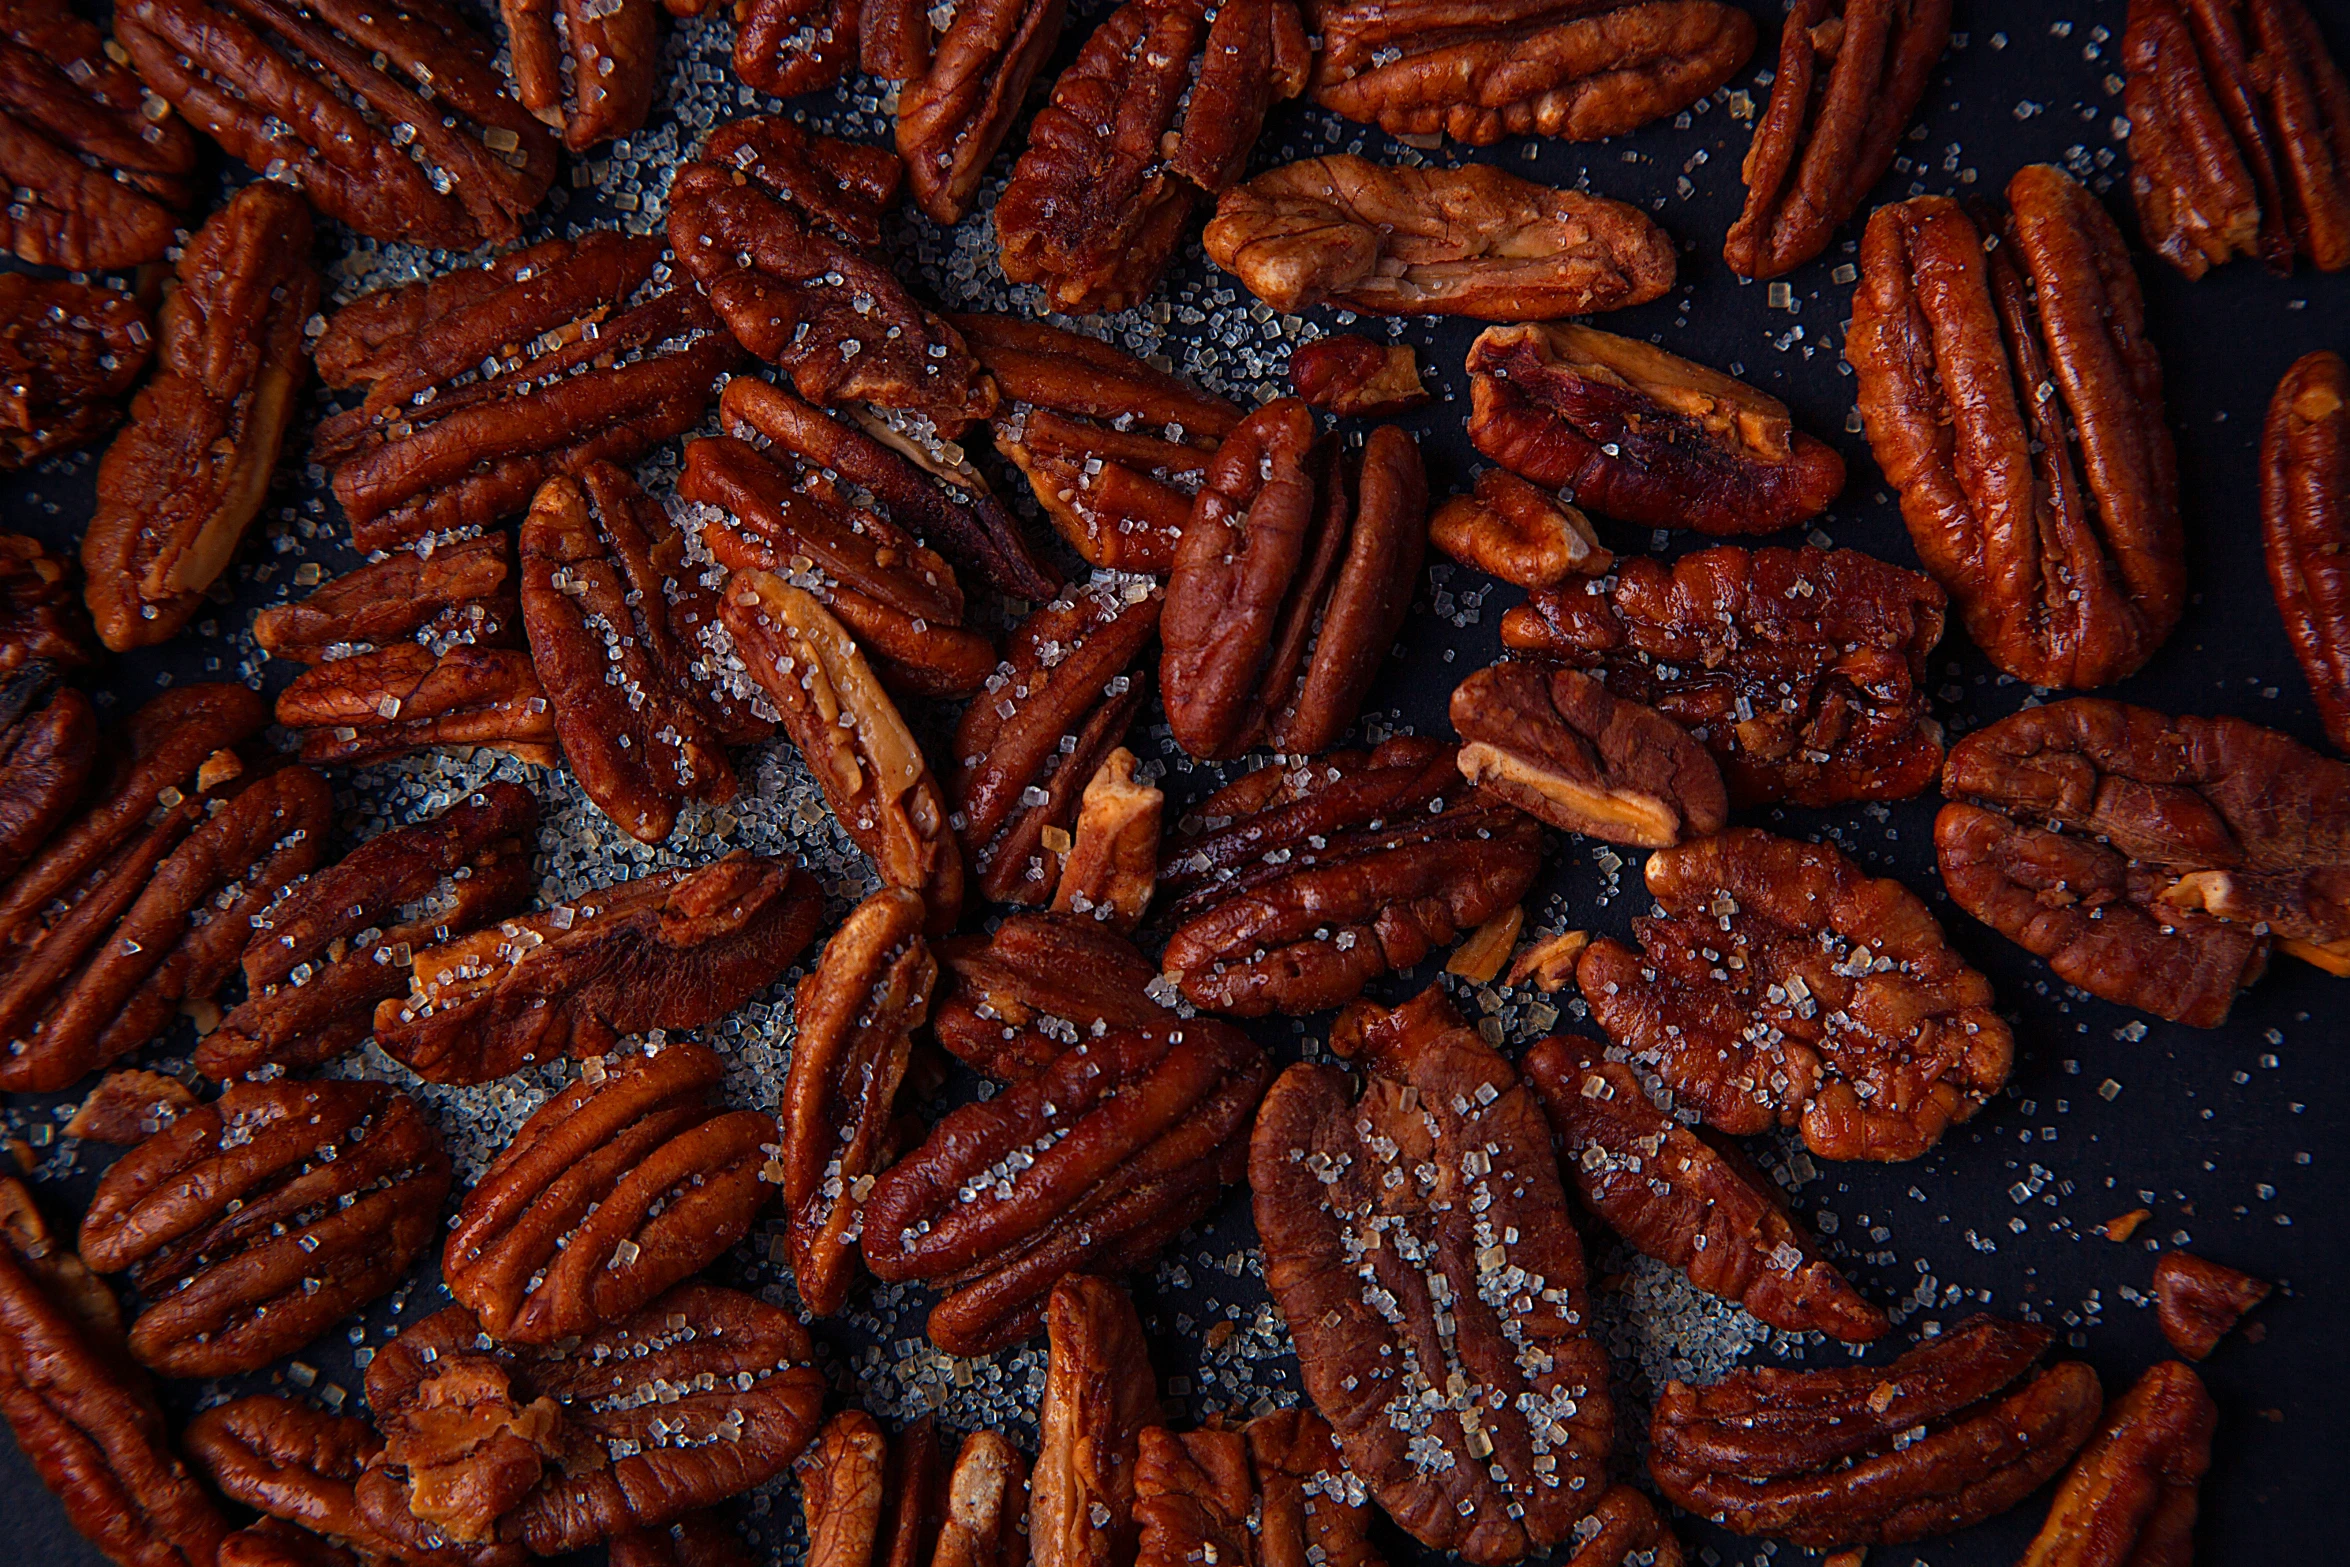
1271, 1490
2305, 511
69, 354
1518, 532
2130, 1497
1099, 1395
1349, 375
591, 75
2197, 1302
961, 87
1013, 999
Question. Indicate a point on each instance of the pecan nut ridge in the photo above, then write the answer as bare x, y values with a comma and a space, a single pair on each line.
2197, 1302
869, 1498
1100, 1394
69, 352
2131, 1495
961, 91
1112, 866
1271, 1490
591, 75
48, 745
1014, 999
788, 47
2305, 512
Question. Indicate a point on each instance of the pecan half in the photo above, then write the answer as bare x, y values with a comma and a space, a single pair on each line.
961, 88
2151, 860
856, 1016
1518, 533
1686, 1201
1642, 435
677, 949
1158, 111
41, 618
129, 1107
1468, 241
1561, 748
2060, 582
1850, 75
1802, 670
2129, 1500
1017, 997
2305, 506
1479, 72
2197, 1301
405, 698
483, 384
69, 353
1091, 1163
590, 75
177, 489
1353, 376
48, 744
1099, 1395
1113, 862
1830, 1458
1267, 1493
390, 117
1781, 985
1323, 877
1291, 580
788, 47
871, 1500
458, 594
1417, 1239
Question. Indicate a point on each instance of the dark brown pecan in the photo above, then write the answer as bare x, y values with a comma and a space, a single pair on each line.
404, 698
271, 1542
1271, 1492
703, 1394
1642, 435
1017, 997
1353, 376
1113, 449
1561, 748
1479, 72
1517, 532
1802, 670
457, 594
1830, 133
856, 1015
1467, 241
1946, 1436
587, 69
129, 1107
48, 744
1099, 1395
1090, 1164
41, 616
2305, 506
69, 353
2151, 860
702, 1539
390, 117
177, 489
960, 89
871, 1500
677, 949
482, 384
2198, 1301
2061, 582
1686, 1201
1418, 1241
1157, 112
1112, 866
1304, 884
2129, 1500
788, 47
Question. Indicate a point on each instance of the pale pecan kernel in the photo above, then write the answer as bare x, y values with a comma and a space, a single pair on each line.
1099, 1395
1112, 864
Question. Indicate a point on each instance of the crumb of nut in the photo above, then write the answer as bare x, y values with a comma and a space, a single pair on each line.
1851, 1558
1351, 375
2122, 1226
1548, 963
128, 1106
1480, 957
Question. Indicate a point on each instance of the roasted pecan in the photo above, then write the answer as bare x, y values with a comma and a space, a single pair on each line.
1092, 1163
2305, 504
405, 698
1417, 1239
1467, 241
1944, 1437
1303, 885
458, 594
1802, 670
1683, 1200
1561, 748
1781, 985
702, 1539
2197, 1301
704, 1393
1271, 1492
1518, 533
1291, 580
677, 949
1017, 997
2151, 860
589, 74
1845, 122
856, 1015
961, 89
2129, 1500
48, 744
1113, 449
1642, 435
392, 118
1099, 1395
129, 1107
58, 1270
2061, 585
1158, 111
177, 490
69, 352
483, 384
870, 1500
1478, 72
788, 47
1353, 376
41, 618
1113, 862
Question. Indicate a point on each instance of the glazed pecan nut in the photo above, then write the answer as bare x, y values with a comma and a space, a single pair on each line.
41, 615
1267, 1493
48, 745
391, 118
1013, 999
1686, 1202
456, 594
1518, 533
2197, 1301
1468, 241
617, 1188
590, 75
788, 47
1781, 985
870, 1500
1112, 866
177, 490
2305, 509
1291, 580
129, 1107
1099, 1395
2069, 571
1418, 1232
69, 352
1353, 376
2131, 1496
1946, 1436
405, 698
1802, 670
677, 949
961, 88
1850, 75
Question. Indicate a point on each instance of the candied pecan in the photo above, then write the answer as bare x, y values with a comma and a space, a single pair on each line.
69, 352
1518, 533
961, 89
1468, 241
2305, 506
1627, 1530
2197, 1301
1270, 1492
677, 949
2129, 1500
2151, 860
788, 47
1417, 1239
870, 1500
1802, 670
1091, 1163
482, 384
1158, 111
403, 698
1561, 748
1350, 375
702, 1539
41, 618
1944, 1437
1112, 866
1846, 122
1112, 448
2059, 584
856, 1015
390, 117
1642, 435
1099, 1395
461, 593
1015, 998
177, 489
1479, 72
589, 75
705, 1393
130, 1106
48, 743
1686, 1201
1323, 877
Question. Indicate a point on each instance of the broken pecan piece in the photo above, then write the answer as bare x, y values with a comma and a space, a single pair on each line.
1353, 376
1518, 533
69, 353
1417, 1239
871, 1500
2305, 506
961, 89
1018, 996
129, 1107
1099, 1395
1113, 862
41, 616
48, 744
1831, 1458
1270, 1492
2129, 1500
789, 47
1561, 748
2197, 1301
586, 69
